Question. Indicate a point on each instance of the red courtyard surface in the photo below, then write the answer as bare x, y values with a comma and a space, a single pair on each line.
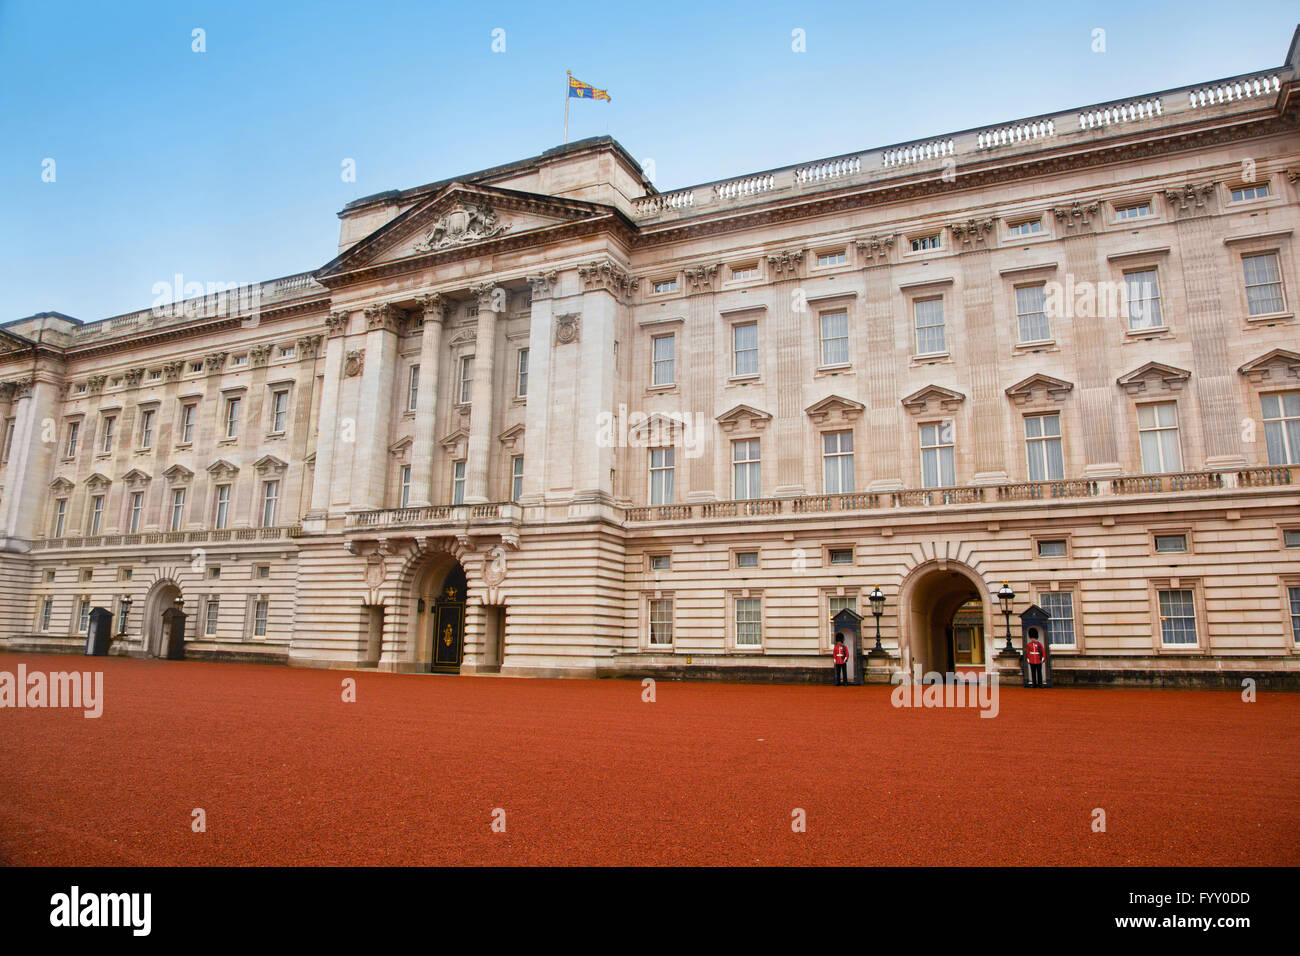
587, 773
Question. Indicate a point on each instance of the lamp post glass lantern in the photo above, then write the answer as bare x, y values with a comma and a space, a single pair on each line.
125, 610
1006, 596
877, 599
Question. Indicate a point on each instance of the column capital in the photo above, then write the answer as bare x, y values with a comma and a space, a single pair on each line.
608, 275
491, 297
543, 284
384, 316
435, 306
307, 346
214, 362
336, 323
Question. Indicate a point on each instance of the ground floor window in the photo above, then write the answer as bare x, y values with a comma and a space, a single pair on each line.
1293, 594
259, 618
1060, 605
210, 616
661, 622
1178, 617
749, 622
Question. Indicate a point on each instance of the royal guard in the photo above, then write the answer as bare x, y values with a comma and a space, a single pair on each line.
841, 654
1034, 652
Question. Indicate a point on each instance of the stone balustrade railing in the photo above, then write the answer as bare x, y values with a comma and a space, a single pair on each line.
156, 538
451, 515
937, 152
1134, 485
237, 300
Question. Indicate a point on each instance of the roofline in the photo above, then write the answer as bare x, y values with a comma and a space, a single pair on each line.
498, 172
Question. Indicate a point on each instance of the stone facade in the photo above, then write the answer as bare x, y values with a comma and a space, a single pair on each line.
675, 432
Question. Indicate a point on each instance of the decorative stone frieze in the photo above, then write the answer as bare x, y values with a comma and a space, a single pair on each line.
465, 223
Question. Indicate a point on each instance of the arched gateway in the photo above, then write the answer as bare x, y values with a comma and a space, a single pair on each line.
437, 618
945, 619
164, 596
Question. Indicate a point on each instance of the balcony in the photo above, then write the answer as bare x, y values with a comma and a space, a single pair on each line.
1137, 486
448, 517
166, 538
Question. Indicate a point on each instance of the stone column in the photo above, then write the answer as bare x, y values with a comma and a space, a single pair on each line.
538, 412
491, 306
789, 331
336, 327
304, 393
30, 460
606, 290
375, 409
435, 308
886, 348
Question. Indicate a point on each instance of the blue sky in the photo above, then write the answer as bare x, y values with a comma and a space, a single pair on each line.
225, 165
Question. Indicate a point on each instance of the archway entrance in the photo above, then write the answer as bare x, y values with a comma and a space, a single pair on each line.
164, 596
439, 618
946, 621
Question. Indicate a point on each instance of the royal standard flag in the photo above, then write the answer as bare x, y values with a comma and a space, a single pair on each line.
585, 91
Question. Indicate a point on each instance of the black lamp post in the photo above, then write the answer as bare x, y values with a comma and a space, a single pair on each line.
877, 599
1006, 596
125, 610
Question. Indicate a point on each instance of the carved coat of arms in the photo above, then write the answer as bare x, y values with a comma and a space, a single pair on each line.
467, 222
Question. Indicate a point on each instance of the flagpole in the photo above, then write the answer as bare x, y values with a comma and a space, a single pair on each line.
568, 76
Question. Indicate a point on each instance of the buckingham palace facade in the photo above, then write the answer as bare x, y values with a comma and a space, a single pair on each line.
545, 419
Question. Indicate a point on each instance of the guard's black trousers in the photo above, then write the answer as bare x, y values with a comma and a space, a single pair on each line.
841, 674
1035, 675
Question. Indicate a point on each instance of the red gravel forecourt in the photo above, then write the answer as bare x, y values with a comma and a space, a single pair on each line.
287, 773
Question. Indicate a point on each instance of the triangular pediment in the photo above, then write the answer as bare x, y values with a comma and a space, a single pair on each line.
178, 473
98, 481
135, 477
458, 216
933, 398
60, 485
398, 449
1279, 365
1153, 377
743, 417
1039, 384
455, 443
512, 438
269, 465
222, 469
834, 408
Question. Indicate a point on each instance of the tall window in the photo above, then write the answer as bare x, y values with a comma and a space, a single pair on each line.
211, 613
279, 411
835, 338
259, 617
1060, 605
929, 325
938, 465
1293, 597
189, 413
137, 509
146, 428
270, 501
745, 469
1142, 294
9, 439
837, 462
1031, 313
749, 622
83, 615
110, 428
521, 375
1177, 617
1263, 283
458, 482
404, 495
222, 515
1158, 436
232, 417
661, 621
413, 388
465, 390
96, 513
516, 477
662, 466
1043, 444
70, 450
744, 348
178, 509
1282, 427
47, 611
60, 516
664, 359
